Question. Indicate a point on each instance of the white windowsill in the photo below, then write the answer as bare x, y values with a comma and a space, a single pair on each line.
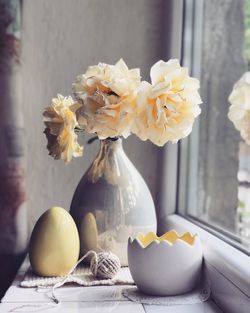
228, 269
88, 299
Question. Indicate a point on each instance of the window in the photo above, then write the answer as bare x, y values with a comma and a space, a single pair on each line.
214, 162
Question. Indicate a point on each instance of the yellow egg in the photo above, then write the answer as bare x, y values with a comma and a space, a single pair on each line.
54, 244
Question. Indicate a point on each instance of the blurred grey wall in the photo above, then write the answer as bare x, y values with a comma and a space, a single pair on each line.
222, 65
61, 38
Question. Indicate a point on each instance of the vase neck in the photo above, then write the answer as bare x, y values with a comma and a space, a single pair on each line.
110, 144
108, 162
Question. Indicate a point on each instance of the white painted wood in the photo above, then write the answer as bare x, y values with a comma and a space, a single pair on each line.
88, 299
168, 161
226, 294
67, 294
206, 307
74, 307
189, 148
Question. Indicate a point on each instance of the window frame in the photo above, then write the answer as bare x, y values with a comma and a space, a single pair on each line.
168, 157
226, 262
188, 149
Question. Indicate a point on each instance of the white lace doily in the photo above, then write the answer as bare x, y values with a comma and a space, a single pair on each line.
200, 294
81, 276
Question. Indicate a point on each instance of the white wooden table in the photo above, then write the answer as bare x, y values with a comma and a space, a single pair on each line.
86, 299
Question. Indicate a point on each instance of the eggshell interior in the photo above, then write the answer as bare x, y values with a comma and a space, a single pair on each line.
171, 237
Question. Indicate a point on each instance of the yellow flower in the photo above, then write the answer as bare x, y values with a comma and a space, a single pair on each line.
108, 97
167, 108
60, 122
239, 111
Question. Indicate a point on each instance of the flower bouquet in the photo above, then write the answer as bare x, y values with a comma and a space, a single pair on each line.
111, 101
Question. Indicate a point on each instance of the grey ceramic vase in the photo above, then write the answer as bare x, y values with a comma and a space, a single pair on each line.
112, 202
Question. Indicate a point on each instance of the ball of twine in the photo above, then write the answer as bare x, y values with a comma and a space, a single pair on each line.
105, 265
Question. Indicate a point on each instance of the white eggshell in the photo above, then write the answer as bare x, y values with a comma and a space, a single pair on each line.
164, 269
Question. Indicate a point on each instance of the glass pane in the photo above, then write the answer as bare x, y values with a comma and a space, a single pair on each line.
223, 176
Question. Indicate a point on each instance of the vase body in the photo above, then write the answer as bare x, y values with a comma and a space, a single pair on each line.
112, 202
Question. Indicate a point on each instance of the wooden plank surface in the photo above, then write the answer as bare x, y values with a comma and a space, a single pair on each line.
88, 299
205, 307
65, 294
74, 307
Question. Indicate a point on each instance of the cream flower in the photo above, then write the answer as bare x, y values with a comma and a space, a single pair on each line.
60, 121
108, 97
239, 111
167, 108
